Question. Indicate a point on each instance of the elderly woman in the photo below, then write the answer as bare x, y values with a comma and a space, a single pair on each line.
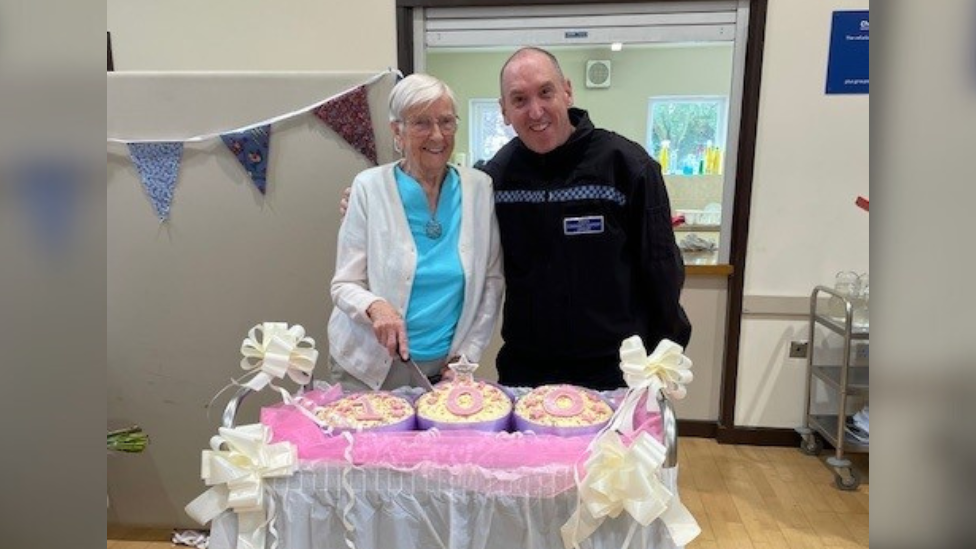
418, 267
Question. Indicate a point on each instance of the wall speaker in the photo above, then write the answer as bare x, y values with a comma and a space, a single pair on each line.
598, 73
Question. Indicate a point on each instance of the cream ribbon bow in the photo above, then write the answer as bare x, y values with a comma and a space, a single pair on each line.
620, 478
236, 476
666, 369
279, 350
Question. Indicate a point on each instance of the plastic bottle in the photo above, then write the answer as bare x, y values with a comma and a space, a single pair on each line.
664, 157
706, 166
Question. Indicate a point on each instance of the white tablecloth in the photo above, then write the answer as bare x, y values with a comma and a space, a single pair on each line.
420, 510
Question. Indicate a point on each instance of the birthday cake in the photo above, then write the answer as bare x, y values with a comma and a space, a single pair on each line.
564, 410
371, 411
464, 404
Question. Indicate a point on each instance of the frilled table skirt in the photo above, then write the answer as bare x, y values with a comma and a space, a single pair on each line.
330, 506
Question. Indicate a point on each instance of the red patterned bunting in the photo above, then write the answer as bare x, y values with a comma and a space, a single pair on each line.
348, 115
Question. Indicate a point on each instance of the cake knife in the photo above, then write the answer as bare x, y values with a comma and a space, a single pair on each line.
417, 375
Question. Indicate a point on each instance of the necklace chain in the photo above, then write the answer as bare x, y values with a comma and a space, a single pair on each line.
432, 229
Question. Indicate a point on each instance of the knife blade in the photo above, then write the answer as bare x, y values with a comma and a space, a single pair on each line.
417, 375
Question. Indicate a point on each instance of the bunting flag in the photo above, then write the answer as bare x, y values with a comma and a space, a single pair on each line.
348, 115
158, 163
49, 188
252, 147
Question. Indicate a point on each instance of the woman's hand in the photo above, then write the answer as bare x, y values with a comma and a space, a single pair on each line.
389, 328
344, 201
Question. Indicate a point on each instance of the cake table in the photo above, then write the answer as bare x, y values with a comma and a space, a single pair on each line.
451, 490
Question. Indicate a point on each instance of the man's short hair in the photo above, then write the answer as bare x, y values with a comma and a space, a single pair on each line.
522, 51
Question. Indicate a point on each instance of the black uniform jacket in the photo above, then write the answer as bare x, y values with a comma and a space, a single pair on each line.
589, 252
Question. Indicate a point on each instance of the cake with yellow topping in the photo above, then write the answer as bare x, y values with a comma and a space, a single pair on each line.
564, 410
465, 404
368, 411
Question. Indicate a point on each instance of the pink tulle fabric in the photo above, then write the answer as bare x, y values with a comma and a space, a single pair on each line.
408, 450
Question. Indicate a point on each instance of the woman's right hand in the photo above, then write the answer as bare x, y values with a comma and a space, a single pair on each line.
389, 328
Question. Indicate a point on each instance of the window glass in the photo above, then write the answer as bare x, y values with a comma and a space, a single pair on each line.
488, 131
687, 134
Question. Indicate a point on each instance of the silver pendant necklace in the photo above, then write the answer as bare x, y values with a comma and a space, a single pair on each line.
433, 228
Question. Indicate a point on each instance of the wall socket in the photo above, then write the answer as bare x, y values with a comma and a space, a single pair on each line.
861, 354
799, 349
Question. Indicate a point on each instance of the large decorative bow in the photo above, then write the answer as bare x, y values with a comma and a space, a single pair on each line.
278, 351
666, 369
236, 476
620, 478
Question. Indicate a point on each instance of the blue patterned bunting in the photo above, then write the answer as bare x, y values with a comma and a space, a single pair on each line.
158, 164
251, 147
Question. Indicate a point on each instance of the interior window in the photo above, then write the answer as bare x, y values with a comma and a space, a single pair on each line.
487, 132
667, 72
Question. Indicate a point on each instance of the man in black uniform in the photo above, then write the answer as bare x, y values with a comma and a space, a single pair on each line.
585, 221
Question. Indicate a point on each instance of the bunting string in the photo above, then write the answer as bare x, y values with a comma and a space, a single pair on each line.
279, 118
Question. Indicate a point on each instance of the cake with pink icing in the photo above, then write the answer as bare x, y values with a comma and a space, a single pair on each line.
465, 404
564, 410
370, 411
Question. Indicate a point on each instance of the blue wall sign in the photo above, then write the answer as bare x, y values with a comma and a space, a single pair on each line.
848, 64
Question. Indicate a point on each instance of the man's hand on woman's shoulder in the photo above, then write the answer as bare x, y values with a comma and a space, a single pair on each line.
344, 201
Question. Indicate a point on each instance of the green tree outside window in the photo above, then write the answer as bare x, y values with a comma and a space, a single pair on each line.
691, 129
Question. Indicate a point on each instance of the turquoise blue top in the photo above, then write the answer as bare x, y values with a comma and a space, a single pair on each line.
438, 284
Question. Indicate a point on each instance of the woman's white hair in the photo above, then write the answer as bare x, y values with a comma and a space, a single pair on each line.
417, 90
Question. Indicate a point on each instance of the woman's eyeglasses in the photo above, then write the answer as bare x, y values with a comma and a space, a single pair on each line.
448, 125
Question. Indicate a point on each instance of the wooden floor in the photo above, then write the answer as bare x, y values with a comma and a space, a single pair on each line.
742, 496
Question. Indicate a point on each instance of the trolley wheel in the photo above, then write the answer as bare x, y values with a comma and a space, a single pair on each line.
811, 444
847, 483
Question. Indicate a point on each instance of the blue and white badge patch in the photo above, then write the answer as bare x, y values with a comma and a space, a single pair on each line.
591, 224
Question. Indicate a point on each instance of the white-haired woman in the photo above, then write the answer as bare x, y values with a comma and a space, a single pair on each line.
418, 267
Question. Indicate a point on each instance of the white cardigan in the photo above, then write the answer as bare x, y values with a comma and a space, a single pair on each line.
376, 259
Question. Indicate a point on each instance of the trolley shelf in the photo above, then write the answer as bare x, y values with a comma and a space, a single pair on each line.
838, 327
857, 378
842, 379
826, 425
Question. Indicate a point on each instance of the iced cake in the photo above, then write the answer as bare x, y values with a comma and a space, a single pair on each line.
368, 411
465, 404
565, 410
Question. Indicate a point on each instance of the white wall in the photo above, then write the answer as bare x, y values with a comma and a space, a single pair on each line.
812, 150
811, 163
252, 35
